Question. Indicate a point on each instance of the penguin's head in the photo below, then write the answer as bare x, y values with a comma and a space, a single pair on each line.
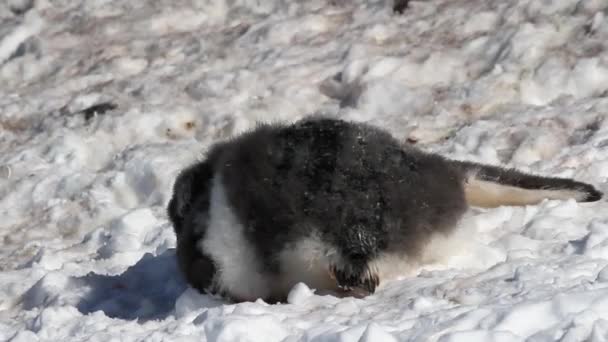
191, 190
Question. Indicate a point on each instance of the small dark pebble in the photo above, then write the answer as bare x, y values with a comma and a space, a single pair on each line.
400, 6
98, 109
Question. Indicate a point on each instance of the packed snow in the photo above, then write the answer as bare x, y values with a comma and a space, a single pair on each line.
103, 102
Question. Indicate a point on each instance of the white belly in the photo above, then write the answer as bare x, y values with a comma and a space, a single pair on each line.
307, 261
238, 267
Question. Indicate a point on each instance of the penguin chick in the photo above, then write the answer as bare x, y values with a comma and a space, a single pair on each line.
328, 203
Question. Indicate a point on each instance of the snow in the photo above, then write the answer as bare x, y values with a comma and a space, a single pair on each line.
103, 102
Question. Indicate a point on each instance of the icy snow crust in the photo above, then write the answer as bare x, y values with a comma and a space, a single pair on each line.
87, 252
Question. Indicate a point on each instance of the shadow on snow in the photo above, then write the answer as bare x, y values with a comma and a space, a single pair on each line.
146, 291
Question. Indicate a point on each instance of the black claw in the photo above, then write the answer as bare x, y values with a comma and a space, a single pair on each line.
349, 279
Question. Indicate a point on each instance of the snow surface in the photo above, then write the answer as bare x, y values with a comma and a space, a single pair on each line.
102, 102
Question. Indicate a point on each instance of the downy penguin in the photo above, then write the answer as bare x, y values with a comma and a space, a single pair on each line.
328, 203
